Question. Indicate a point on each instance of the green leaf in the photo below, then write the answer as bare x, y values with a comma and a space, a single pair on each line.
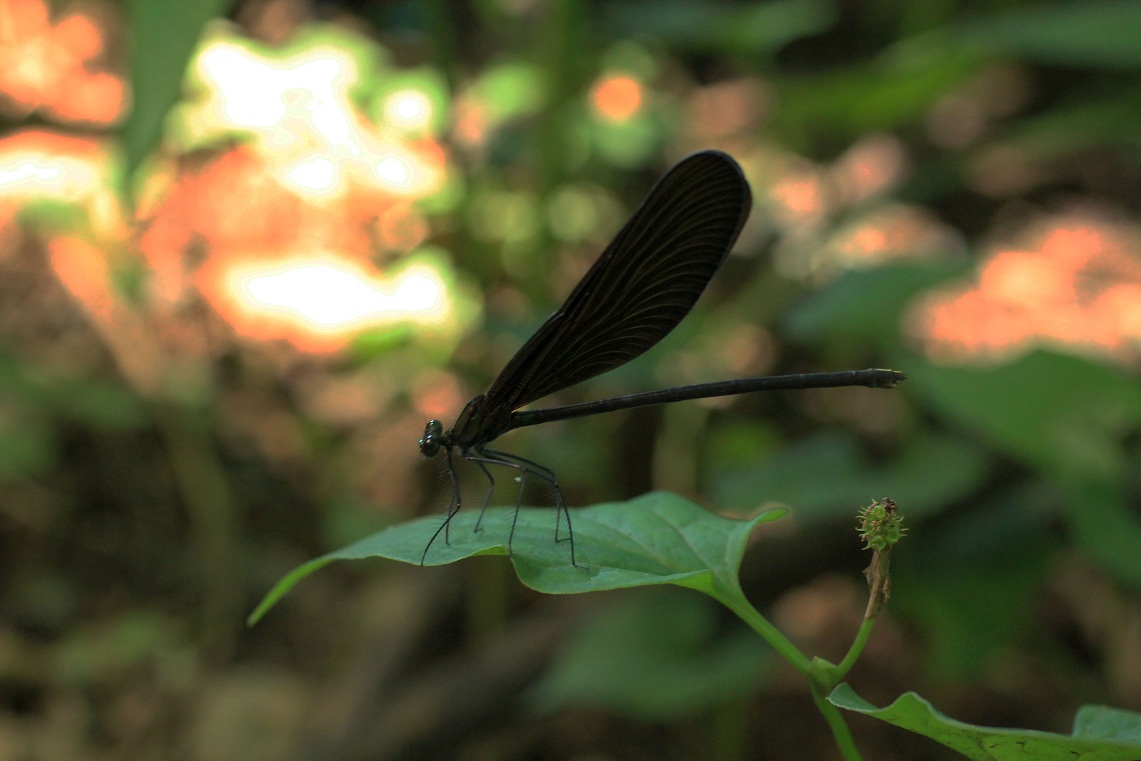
750, 29
1108, 723
27, 447
971, 585
658, 538
106, 651
509, 90
931, 473
1093, 34
90, 400
1100, 734
164, 34
864, 304
1105, 525
887, 93
1065, 417
1092, 121
1054, 412
625, 661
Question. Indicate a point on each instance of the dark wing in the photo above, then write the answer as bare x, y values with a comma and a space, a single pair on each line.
642, 285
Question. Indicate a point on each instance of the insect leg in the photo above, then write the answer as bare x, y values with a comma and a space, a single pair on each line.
490, 491
528, 467
453, 507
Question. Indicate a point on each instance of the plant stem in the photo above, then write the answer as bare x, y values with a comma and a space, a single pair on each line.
879, 583
836, 723
213, 512
854, 651
736, 602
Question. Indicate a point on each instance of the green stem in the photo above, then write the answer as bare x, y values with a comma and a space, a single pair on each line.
736, 602
854, 651
213, 513
839, 727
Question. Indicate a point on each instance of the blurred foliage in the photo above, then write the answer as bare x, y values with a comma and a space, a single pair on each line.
162, 462
163, 37
625, 661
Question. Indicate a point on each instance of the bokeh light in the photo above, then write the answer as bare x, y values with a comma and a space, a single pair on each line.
500, 93
55, 66
409, 109
800, 197
39, 164
277, 234
617, 97
317, 301
1071, 282
892, 231
296, 106
729, 108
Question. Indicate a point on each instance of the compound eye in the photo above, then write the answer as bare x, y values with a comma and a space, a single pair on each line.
430, 444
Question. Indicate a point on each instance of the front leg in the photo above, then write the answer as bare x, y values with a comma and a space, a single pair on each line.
453, 507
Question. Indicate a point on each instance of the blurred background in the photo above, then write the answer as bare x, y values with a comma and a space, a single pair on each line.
247, 249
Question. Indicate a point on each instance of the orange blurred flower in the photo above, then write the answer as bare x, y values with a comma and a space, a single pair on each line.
617, 97
1071, 282
53, 67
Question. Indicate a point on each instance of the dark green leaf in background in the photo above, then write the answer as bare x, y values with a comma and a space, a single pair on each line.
626, 661
164, 34
1095, 34
98, 402
1054, 412
865, 304
1106, 525
753, 29
822, 477
970, 581
1108, 116
838, 107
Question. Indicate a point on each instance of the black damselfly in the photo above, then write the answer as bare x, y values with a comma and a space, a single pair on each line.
642, 285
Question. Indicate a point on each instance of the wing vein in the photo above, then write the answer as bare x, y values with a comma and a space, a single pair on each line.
642, 285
